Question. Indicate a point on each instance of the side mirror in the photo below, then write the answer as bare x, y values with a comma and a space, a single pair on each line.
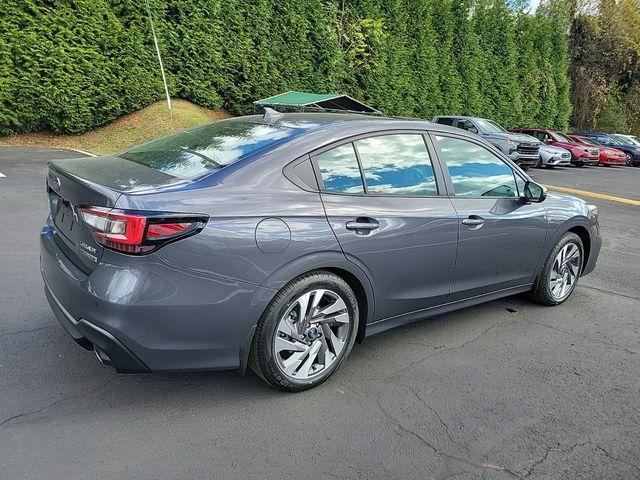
533, 192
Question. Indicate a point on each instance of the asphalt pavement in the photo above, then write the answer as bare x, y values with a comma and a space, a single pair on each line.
508, 389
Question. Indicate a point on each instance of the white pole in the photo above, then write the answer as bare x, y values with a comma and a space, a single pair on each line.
155, 41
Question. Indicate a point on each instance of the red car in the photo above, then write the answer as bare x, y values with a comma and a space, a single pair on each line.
608, 155
580, 154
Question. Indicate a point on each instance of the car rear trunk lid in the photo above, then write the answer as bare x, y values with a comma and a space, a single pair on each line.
92, 182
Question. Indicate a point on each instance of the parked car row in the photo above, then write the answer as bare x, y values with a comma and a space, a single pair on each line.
530, 147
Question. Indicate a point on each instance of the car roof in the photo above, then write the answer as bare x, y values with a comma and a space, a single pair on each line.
324, 122
319, 130
466, 117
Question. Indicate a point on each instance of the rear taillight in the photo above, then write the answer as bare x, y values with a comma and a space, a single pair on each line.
138, 232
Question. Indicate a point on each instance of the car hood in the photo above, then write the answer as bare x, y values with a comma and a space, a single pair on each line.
514, 137
611, 151
627, 148
569, 146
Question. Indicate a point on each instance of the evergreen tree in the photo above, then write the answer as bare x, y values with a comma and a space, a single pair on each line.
70, 66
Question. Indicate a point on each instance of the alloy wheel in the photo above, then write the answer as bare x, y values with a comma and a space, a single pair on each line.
565, 271
311, 334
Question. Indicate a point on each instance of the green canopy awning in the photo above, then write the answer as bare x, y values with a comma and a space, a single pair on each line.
303, 101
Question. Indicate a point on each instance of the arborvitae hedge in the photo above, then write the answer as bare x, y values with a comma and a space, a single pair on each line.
72, 65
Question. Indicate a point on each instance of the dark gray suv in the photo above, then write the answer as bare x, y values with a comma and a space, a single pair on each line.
278, 242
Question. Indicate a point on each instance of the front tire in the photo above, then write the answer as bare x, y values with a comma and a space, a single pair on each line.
306, 332
630, 162
560, 272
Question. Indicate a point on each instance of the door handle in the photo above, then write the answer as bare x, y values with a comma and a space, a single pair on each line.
363, 225
474, 222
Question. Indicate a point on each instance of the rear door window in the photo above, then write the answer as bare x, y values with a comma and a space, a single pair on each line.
397, 164
340, 171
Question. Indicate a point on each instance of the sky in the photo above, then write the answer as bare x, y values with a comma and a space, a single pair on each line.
533, 5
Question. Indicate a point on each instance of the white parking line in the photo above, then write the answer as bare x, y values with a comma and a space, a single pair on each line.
2, 175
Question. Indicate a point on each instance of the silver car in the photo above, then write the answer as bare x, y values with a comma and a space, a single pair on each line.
279, 242
551, 156
520, 148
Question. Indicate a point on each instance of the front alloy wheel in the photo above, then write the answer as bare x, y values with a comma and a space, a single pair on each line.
629, 159
306, 332
560, 272
565, 270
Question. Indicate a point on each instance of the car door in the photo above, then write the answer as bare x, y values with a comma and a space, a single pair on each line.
382, 197
501, 237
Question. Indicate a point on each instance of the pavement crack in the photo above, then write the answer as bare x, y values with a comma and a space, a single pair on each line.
52, 404
442, 422
617, 459
538, 462
607, 341
440, 349
26, 331
548, 451
469, 466
618, 294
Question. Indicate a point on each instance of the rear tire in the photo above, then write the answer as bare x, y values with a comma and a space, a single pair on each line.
306, 332
560, 272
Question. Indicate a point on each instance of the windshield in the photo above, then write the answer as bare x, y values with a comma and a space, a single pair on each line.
562, 138
634, 139
623, 139
192, 153
488, 126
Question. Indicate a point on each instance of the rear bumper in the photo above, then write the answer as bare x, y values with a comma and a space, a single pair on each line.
142, 315
108, 348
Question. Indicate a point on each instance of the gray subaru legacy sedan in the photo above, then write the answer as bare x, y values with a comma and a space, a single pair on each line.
279, 241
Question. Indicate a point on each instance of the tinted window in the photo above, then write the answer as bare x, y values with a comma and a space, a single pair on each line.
465, 124
561, 138
339, 170
197, 151
397, 165
488, 126
475, 171
445, 121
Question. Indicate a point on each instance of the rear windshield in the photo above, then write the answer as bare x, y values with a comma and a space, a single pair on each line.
195, 152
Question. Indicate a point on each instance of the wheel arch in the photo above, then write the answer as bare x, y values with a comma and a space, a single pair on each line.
582, 232
361, 295
334, 262
578, 225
